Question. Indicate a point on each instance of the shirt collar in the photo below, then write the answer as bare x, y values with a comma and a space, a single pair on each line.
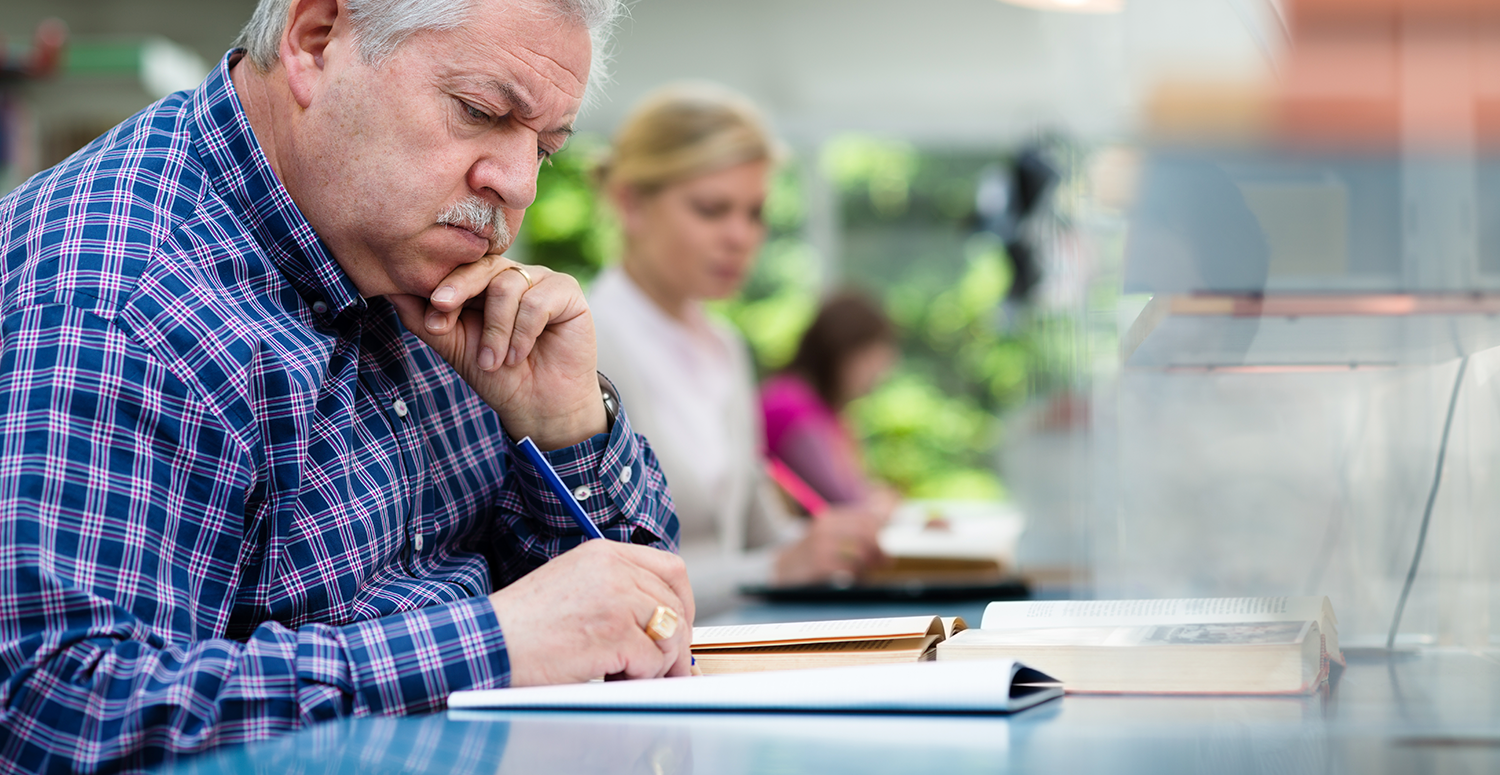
239, 170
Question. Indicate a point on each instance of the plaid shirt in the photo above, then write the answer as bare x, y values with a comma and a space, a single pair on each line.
235, 497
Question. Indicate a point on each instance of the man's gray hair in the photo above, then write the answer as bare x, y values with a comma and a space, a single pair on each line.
380, 26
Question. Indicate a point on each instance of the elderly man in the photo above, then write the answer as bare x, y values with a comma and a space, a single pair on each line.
262, 368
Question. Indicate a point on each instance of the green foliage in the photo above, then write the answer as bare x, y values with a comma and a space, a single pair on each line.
923, 440
568, 227
881, 171
932, 428
773, 325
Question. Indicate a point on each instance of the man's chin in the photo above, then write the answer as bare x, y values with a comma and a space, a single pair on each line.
428, 271
425, 280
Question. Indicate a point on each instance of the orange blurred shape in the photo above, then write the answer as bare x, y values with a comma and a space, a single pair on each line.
1186, 112
1379, 74
1304, 14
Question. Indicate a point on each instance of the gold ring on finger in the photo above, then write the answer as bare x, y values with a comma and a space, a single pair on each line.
529, 282
663, 623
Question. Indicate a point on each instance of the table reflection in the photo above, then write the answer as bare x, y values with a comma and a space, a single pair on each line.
1431, 711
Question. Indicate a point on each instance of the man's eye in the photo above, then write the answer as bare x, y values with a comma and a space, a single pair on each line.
475, 113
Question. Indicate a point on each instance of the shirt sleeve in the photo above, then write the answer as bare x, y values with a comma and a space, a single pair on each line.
617, 480
122, 533
809, 449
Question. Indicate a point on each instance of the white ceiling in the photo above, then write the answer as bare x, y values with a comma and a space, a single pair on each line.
940, 71
971, 72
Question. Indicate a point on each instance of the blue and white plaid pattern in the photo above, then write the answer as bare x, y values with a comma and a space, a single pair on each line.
235, 497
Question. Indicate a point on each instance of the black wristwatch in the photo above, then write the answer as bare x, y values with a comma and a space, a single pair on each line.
611, 401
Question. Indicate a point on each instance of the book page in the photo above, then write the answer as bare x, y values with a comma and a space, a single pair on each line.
1207, 634
739, 635
978, 686
832, 646
1084, 613
977, 531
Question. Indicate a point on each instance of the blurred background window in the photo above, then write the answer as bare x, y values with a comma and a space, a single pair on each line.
909, 231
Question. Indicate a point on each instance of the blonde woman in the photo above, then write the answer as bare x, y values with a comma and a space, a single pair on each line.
688, 176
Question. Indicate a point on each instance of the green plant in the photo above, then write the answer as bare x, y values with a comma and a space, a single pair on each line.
568, 227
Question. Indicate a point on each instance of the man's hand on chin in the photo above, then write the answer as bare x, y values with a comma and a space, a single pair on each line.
523, 338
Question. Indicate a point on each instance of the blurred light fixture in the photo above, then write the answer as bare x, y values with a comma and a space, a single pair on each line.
1072, 6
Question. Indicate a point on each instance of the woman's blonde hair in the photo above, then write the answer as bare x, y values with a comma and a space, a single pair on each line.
682, 131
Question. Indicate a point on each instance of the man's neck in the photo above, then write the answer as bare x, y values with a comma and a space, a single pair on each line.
255, 91
271, 110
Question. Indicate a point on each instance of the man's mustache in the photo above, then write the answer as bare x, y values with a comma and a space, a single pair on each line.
480, 217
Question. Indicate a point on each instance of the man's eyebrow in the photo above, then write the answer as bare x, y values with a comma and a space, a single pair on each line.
513, 97
518, 102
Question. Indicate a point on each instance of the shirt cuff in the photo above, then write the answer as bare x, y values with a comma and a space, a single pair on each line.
411, 662
613, 477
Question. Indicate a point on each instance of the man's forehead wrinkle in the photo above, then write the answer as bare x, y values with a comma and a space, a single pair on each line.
518, 71
506, 71
582, 82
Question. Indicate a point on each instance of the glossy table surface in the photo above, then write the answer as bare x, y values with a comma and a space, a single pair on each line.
1433, 711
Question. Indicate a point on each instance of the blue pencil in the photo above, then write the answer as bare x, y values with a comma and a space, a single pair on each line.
555, 483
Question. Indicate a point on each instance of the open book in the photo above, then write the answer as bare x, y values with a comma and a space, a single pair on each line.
746, 648
937, 550
952, 542
1270, 645
991, 686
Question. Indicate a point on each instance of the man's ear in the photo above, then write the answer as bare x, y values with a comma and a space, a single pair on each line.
313, 31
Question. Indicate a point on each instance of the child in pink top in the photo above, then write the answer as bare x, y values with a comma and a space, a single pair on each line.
849, 347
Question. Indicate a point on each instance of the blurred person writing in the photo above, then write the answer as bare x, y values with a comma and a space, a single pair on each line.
262, 371
849, 347
688, 174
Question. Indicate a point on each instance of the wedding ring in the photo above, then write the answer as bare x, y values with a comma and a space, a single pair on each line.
663, 623
529, 282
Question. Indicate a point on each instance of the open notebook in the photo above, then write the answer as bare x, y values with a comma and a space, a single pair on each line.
988, 686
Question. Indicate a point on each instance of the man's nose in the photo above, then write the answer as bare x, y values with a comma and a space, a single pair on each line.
508, 169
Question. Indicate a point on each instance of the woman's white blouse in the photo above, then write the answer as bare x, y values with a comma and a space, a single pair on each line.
689, 389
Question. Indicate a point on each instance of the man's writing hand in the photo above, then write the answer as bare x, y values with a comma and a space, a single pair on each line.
526, 348
584, 615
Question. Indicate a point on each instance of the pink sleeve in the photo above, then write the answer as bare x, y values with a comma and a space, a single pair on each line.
823, 460
785, 401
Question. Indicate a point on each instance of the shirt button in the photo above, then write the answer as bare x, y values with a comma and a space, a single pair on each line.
400, 407
582, 492
320, 307
625, 474
417, 542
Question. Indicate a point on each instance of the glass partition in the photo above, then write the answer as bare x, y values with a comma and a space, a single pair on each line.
1304, 396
